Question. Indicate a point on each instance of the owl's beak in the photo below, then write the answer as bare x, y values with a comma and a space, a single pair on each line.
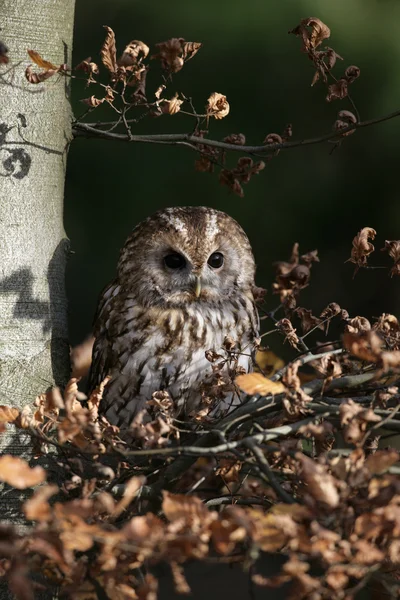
198, 286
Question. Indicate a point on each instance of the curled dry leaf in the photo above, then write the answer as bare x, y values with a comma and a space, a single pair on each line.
337, 90
93, 102
131, 489
172, 106
88, 67
352, 73
190, 49
320, 483
175, 52
37, 508
81, 357
286, 327
255, 383
108, 51
187, 510
308, 320
8, 414
381, 461
41, 62
217, 106
357, 325
362, 247
365, 346
355, 419
36, 78
238, 139
17, 472
344, 119
393, 249
312, 31
134, 51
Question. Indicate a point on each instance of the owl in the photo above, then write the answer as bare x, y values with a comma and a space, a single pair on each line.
183, 287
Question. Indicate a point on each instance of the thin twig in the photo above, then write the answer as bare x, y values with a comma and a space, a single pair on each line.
91, 130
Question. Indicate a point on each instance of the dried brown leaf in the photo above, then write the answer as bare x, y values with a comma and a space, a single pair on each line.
217, 106
286, 327
365, 346
37, 508
36, 78
255, 383
41, 62
17, 472
81, 357
308, 320
190, 49
8, 414
321, 484
362, 247
393, 249
93, 102
352, 73
108, 51
314, 36
89, 67
337, 90
134, 51
381, 461
344, 119
172, 106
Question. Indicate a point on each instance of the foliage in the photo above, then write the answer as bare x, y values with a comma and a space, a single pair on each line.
271, 476
128, 91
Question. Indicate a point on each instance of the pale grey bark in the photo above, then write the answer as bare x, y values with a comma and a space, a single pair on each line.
35, 129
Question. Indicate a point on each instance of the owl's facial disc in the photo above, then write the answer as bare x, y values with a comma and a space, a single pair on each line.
187, 281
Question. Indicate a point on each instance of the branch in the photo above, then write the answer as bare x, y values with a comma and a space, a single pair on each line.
91, 130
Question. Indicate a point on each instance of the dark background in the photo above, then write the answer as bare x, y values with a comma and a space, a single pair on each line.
307, 195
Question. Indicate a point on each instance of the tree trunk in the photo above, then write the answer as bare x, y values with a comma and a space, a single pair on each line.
35, 129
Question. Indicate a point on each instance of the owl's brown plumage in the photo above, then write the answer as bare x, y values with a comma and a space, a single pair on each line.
184, 283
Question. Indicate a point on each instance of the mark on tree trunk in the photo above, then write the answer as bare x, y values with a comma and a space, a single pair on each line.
17, 162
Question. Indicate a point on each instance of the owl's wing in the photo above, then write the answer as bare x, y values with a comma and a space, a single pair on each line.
102, 350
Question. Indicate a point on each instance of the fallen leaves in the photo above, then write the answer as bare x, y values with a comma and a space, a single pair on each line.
255, 383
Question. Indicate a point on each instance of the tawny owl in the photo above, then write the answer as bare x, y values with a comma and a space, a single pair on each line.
184, 283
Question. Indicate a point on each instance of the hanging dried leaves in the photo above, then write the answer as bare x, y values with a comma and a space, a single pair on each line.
344, 119
217, 106
362, 247
41, 62
174, 52
134, 51
393, 249
108, 52
173, 106
312, 31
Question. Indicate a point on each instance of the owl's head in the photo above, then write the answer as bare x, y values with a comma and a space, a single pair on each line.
187, 254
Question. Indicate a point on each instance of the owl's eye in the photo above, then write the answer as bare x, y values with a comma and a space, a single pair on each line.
174, 260
216, 260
